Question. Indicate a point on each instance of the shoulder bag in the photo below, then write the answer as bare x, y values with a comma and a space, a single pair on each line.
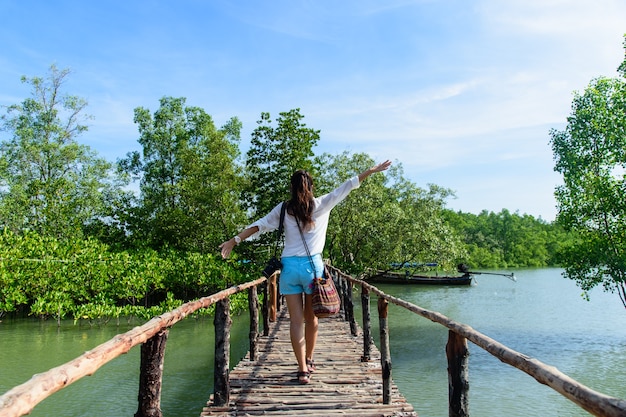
326, 301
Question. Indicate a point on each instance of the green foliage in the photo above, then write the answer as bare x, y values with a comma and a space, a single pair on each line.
83, 279
506, 240
275, 154
49, 183
388, 219
189, 179
590, 153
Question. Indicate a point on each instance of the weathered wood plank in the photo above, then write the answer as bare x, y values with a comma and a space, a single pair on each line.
343, 385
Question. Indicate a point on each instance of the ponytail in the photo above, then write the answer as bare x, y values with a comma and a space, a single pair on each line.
302, 200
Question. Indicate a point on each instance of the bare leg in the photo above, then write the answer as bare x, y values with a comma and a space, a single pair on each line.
296, 329
310, 326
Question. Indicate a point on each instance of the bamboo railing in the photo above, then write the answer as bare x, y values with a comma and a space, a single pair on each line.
457, 354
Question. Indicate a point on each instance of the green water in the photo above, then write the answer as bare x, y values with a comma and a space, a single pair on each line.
541, 315
28, 347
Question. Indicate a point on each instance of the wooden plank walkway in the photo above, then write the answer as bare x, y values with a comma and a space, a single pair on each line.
341, 386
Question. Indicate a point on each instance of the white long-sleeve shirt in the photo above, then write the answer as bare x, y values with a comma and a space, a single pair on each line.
316, 236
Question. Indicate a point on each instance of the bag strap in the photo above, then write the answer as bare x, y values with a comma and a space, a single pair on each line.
306, 247
279, 232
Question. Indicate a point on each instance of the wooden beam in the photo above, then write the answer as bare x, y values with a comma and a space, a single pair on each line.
458, 375
349, 307
272, 297
223, 323
253, 307
385, 355
367, 326
151, 375
265, 309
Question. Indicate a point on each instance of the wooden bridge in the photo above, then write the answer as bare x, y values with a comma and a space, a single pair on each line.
342, 385
350, 380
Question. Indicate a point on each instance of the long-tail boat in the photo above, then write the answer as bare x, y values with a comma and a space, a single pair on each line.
406, 277
389, 277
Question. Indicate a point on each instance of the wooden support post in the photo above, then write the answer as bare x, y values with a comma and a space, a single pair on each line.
222, 322
265, 308
273, 297
385, 355
349, 307
458, 375
151, 375
253, 306
340, 284
367, 326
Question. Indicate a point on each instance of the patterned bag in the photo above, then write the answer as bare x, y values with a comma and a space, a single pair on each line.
326, 301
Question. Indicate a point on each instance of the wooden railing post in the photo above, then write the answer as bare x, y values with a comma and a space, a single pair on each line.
458, 375
273, 297
367, 326
349, 307
222, 322
340, 284
253, 306
265, 308
385, 355
151, 375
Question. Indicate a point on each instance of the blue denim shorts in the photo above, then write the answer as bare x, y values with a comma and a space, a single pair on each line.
296, 275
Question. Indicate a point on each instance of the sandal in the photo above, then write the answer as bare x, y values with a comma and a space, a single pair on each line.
304, 377
311, 365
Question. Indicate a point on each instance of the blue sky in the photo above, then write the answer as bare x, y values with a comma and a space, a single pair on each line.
462, 93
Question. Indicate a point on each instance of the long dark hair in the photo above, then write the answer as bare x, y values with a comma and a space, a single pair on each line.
302, 200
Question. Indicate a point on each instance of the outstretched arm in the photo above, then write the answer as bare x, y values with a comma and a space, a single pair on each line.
383, 166
227, 247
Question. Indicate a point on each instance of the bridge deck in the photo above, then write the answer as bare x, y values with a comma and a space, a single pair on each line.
341, 386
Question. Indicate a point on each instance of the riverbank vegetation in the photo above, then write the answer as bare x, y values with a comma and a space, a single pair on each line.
84, 279
508, 240
90, 239
590, 153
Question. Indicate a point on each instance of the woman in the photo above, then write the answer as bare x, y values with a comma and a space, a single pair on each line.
306, 217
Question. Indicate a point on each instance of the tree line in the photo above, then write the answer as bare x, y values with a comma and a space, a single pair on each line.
509, 240
88, 238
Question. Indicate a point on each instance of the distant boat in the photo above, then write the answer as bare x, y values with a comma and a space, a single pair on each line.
386, 277
405, 277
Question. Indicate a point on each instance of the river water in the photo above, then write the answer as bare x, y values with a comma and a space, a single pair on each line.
541, 315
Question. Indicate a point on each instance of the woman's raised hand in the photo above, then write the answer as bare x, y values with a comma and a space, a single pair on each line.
383, 166
378, 168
